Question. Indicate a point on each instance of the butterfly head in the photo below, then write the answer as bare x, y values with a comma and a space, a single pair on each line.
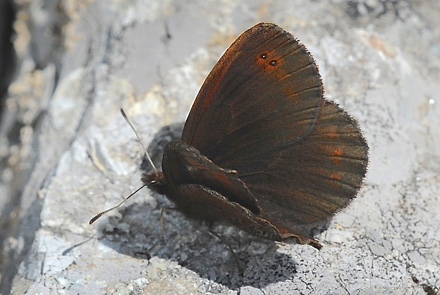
155, 181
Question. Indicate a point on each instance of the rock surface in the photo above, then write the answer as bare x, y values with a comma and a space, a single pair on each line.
67, 153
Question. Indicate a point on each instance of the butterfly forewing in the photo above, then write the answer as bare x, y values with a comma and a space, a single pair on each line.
264, 80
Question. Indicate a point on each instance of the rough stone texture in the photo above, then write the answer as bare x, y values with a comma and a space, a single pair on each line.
67, 153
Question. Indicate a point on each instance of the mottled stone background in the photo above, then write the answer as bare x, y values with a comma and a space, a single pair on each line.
66, 153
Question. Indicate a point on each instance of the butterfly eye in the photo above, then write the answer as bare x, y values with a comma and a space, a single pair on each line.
263, 55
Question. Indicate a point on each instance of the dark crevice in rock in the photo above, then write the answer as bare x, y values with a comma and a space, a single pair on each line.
21, 208
7, 53
7, 71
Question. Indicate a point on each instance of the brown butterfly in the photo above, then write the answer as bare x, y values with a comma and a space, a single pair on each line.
261, 148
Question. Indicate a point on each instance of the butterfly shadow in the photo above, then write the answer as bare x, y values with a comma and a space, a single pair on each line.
230, 257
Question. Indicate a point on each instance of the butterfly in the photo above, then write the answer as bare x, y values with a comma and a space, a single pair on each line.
261, 148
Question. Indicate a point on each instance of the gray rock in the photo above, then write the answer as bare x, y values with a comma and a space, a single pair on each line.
74, 154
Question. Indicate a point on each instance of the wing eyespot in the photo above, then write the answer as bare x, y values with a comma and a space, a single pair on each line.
273, 63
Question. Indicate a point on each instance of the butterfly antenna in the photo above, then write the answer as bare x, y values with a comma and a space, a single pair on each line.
112, 208
139, 139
